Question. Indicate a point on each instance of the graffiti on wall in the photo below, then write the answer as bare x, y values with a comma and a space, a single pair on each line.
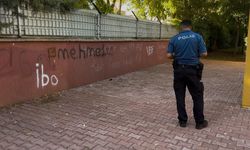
21, 63
43, 79
150, 50
81, 52
33, 62
31, 69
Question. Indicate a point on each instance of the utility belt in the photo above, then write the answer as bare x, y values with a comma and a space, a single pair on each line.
199, 67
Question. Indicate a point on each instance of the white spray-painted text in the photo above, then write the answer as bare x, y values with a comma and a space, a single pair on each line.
43, 79
150, 50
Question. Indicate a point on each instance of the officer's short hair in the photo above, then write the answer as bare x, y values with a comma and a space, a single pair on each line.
186, 23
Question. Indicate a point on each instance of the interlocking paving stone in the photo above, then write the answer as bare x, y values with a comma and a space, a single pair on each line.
133, 111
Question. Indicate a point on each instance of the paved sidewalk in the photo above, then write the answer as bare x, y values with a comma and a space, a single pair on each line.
134, 111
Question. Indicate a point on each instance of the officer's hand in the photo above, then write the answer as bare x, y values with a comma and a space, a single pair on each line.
170, 55
204, 54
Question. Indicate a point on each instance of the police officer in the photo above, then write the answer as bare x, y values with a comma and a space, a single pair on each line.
186, 48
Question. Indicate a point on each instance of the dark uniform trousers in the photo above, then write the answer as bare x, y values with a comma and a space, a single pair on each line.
187, 76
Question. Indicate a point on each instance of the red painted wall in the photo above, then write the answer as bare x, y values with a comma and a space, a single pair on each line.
30, 69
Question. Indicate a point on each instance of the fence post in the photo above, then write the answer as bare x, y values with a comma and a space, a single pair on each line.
19, 27
99, 17
98, 32
160, 27
137, 20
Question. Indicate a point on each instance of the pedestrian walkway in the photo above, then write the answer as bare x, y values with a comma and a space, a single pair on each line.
134, 111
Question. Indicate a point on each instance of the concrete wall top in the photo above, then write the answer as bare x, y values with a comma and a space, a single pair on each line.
77, 40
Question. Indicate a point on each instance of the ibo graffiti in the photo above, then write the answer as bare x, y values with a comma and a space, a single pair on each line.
43, 79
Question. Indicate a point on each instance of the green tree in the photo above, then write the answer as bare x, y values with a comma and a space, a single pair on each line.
42, 5
81, 4
105, 6
146, 9
236, 15
46, 5
223, 23
55, 5
120, 7
218, 20
9, 5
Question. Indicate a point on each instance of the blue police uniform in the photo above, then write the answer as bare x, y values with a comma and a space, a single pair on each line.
186, 48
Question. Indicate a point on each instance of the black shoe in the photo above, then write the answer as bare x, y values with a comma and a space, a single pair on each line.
202, 125
182, 124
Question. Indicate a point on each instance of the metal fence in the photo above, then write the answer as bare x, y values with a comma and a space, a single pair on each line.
79, 24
